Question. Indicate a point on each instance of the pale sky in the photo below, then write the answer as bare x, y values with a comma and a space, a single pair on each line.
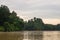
47, 10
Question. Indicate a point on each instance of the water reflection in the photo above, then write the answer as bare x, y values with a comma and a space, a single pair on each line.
30, 35
33, 35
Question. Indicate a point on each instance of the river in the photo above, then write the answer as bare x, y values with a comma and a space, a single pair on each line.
30, 35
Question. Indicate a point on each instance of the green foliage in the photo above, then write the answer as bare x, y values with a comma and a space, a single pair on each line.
34, 24
11, 22
4, 14
1, 28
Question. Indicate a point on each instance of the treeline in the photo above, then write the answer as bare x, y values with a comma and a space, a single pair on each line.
9, 21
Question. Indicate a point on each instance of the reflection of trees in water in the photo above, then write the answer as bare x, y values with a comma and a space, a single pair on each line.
11, 36
33, 35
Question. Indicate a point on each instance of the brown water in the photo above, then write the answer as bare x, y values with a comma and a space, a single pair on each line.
51, 35
44, 35
11, 35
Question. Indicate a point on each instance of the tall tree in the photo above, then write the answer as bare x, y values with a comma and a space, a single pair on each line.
4, 14
10, 21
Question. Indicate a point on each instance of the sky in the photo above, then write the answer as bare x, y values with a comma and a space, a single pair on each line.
47, 10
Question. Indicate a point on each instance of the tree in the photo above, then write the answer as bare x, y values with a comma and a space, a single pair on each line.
38, 23
10, 21
57, 27
34, 24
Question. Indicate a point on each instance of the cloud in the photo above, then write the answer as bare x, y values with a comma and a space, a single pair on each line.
51, 21
34, 8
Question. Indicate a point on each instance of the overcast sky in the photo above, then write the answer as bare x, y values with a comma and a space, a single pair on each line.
48, 10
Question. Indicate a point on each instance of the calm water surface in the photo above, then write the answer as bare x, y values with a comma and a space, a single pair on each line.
30, 35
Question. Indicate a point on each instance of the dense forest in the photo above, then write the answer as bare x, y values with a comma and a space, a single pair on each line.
9, 21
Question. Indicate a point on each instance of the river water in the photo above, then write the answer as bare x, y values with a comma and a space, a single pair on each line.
30, 35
